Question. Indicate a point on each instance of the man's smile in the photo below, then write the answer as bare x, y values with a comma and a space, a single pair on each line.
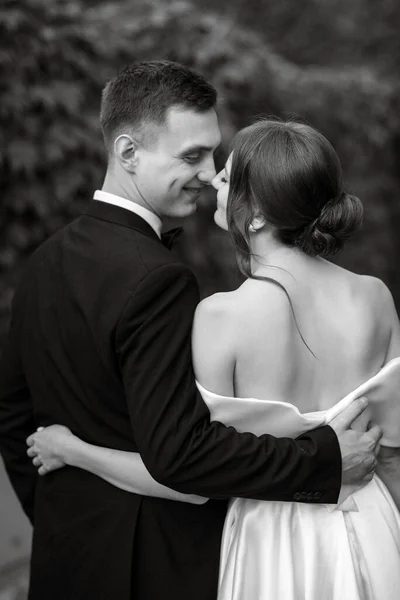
193, 191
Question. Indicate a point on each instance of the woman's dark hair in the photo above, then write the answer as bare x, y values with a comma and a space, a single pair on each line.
143, 92
290, 174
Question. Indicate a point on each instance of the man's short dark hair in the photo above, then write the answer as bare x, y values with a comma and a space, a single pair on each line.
142, 93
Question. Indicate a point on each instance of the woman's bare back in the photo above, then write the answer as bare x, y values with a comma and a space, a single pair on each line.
337, 313
340, 317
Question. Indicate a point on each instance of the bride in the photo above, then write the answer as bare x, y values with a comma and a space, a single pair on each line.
298, 327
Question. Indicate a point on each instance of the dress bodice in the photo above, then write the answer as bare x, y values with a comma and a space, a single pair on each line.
283, 419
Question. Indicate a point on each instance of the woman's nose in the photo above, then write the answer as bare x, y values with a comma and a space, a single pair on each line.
216, 182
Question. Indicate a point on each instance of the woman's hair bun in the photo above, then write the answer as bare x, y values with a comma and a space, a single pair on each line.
338, 220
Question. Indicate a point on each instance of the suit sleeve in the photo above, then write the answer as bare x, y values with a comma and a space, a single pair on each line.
179, 445
16, 418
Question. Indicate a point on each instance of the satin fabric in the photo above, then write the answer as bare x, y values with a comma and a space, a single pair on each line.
300, 551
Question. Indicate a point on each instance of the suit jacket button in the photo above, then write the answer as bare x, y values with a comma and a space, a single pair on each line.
297, 496
317, 495
304, 495
310, 496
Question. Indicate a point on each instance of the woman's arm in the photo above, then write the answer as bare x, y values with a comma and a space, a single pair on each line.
53, 447
213, 345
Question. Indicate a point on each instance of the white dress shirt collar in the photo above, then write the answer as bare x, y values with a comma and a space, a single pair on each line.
153, 220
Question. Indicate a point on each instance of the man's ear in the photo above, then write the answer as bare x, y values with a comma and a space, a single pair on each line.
126, 152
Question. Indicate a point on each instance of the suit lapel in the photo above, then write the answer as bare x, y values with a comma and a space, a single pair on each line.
120, 216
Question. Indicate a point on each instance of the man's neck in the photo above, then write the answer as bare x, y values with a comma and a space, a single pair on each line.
118, 187
112, 186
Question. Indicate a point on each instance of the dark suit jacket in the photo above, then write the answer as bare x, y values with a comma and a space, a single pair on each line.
100, 342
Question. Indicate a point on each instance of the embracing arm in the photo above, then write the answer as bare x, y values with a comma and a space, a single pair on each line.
56, 446
179, 445
127, 471
16, 417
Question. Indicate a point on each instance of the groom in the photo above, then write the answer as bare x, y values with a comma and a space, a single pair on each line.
100, 342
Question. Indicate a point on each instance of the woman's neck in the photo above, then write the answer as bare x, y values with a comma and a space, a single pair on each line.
269, 252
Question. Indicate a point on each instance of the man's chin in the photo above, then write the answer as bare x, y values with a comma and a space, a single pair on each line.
192, 208
184, 211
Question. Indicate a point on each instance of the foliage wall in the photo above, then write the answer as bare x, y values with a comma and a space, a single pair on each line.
315, 60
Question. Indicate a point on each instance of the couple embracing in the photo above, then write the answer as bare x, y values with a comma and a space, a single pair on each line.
215, 450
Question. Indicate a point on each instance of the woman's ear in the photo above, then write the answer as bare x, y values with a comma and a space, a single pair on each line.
257, 223
126, 152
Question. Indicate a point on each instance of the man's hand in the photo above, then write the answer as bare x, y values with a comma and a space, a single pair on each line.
359, 448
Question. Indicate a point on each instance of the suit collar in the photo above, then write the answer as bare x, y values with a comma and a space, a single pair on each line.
120, 216
150, 217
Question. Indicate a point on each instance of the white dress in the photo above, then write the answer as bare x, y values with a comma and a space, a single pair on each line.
297, 551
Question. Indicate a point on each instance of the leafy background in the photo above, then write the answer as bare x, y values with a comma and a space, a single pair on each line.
332, 62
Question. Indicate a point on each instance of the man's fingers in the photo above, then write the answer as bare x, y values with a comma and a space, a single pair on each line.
31, 451
346, 417
43, 470
36, 461
376, 433
371, 462
369, 476
377, 449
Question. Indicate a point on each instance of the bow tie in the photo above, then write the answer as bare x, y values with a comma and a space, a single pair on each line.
169, 237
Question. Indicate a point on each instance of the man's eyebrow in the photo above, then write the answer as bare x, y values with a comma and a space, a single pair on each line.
195, 149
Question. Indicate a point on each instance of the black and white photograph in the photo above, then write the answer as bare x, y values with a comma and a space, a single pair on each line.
199, 296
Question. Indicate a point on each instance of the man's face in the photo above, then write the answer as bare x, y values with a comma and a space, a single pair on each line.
172, 172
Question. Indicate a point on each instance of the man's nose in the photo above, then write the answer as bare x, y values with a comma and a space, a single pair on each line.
207, 173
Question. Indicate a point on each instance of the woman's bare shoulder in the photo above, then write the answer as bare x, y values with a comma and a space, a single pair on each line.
375, 285
216, 306
372, 288
252, 295
375, 291
375, 305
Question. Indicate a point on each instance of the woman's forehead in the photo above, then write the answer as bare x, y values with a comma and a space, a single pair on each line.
228, 163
